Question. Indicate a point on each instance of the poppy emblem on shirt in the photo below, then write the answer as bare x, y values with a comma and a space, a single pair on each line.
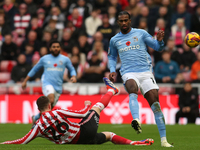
55, 65
128, 43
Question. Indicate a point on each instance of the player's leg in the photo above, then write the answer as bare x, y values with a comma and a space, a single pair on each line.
116, 139
150, 91
48, 91
131, 86
104, 101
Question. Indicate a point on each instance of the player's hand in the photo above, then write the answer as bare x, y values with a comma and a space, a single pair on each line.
160, 35
87, 103
73, 79
112, 76
23, 85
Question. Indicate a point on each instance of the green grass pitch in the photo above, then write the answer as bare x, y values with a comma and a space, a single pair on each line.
184, 137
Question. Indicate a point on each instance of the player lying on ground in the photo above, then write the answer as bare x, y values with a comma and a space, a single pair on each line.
54, 125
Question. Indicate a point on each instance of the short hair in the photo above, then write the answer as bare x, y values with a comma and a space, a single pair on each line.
42, 102
124, 13
52, 42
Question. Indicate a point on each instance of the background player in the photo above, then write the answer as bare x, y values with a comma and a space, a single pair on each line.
52, 79
55, 126
136, 69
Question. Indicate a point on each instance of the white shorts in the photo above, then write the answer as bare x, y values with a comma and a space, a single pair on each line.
144, 80
48, 89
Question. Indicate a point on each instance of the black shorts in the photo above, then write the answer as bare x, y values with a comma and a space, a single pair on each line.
88, 130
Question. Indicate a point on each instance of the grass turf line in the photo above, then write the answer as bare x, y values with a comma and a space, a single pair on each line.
184, 137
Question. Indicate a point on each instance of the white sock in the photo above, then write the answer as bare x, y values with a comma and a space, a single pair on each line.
163, 139
111, 90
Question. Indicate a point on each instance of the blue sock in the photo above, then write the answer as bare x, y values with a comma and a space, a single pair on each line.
37, 117
134, 106
159, 118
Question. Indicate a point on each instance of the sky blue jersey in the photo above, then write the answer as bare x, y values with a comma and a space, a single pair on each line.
132, 50
54, 68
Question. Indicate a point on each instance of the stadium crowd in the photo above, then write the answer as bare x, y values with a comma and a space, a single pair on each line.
84, 28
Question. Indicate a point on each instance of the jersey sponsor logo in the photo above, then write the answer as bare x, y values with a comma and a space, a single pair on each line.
135, 39
55, 65
54, 69
129, 48
128, 43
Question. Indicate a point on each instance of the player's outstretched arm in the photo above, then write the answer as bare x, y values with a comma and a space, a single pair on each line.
116, 139
160, 35
73, 79
32, 134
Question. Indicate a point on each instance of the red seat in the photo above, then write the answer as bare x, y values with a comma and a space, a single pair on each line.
18, 90
7, 65
37, 90
4, 77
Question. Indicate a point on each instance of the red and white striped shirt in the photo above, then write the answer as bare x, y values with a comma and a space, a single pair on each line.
54, 126
22, 22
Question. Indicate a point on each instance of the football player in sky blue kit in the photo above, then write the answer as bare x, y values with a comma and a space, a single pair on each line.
54, 65
136, 69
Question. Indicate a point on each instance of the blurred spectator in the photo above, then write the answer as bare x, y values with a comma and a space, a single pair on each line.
35, 27
83, 7
115, 4
195, 21
76, 51
155, 55
144, 13
102, 5
106, 28
166, 70
170, 8
94, 69
51, 27
83, 45
41, 17
178, 32
29, 51
43, 51
98, 36
153, 9
9, 49
195, 69
32, 8
67, 41
160, 25
31, 39
64, 7
163, 13
46, 5
75, 59
98, 49
21, 20
20, 71
37, 77
92, 23
4, 28
181, 13
46, 38
74, 31
76, 18
10, 11
56, 14
123, 3
172, 49
112, 15
143, 24
134, 7
188, 104
198, 78
187, 58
